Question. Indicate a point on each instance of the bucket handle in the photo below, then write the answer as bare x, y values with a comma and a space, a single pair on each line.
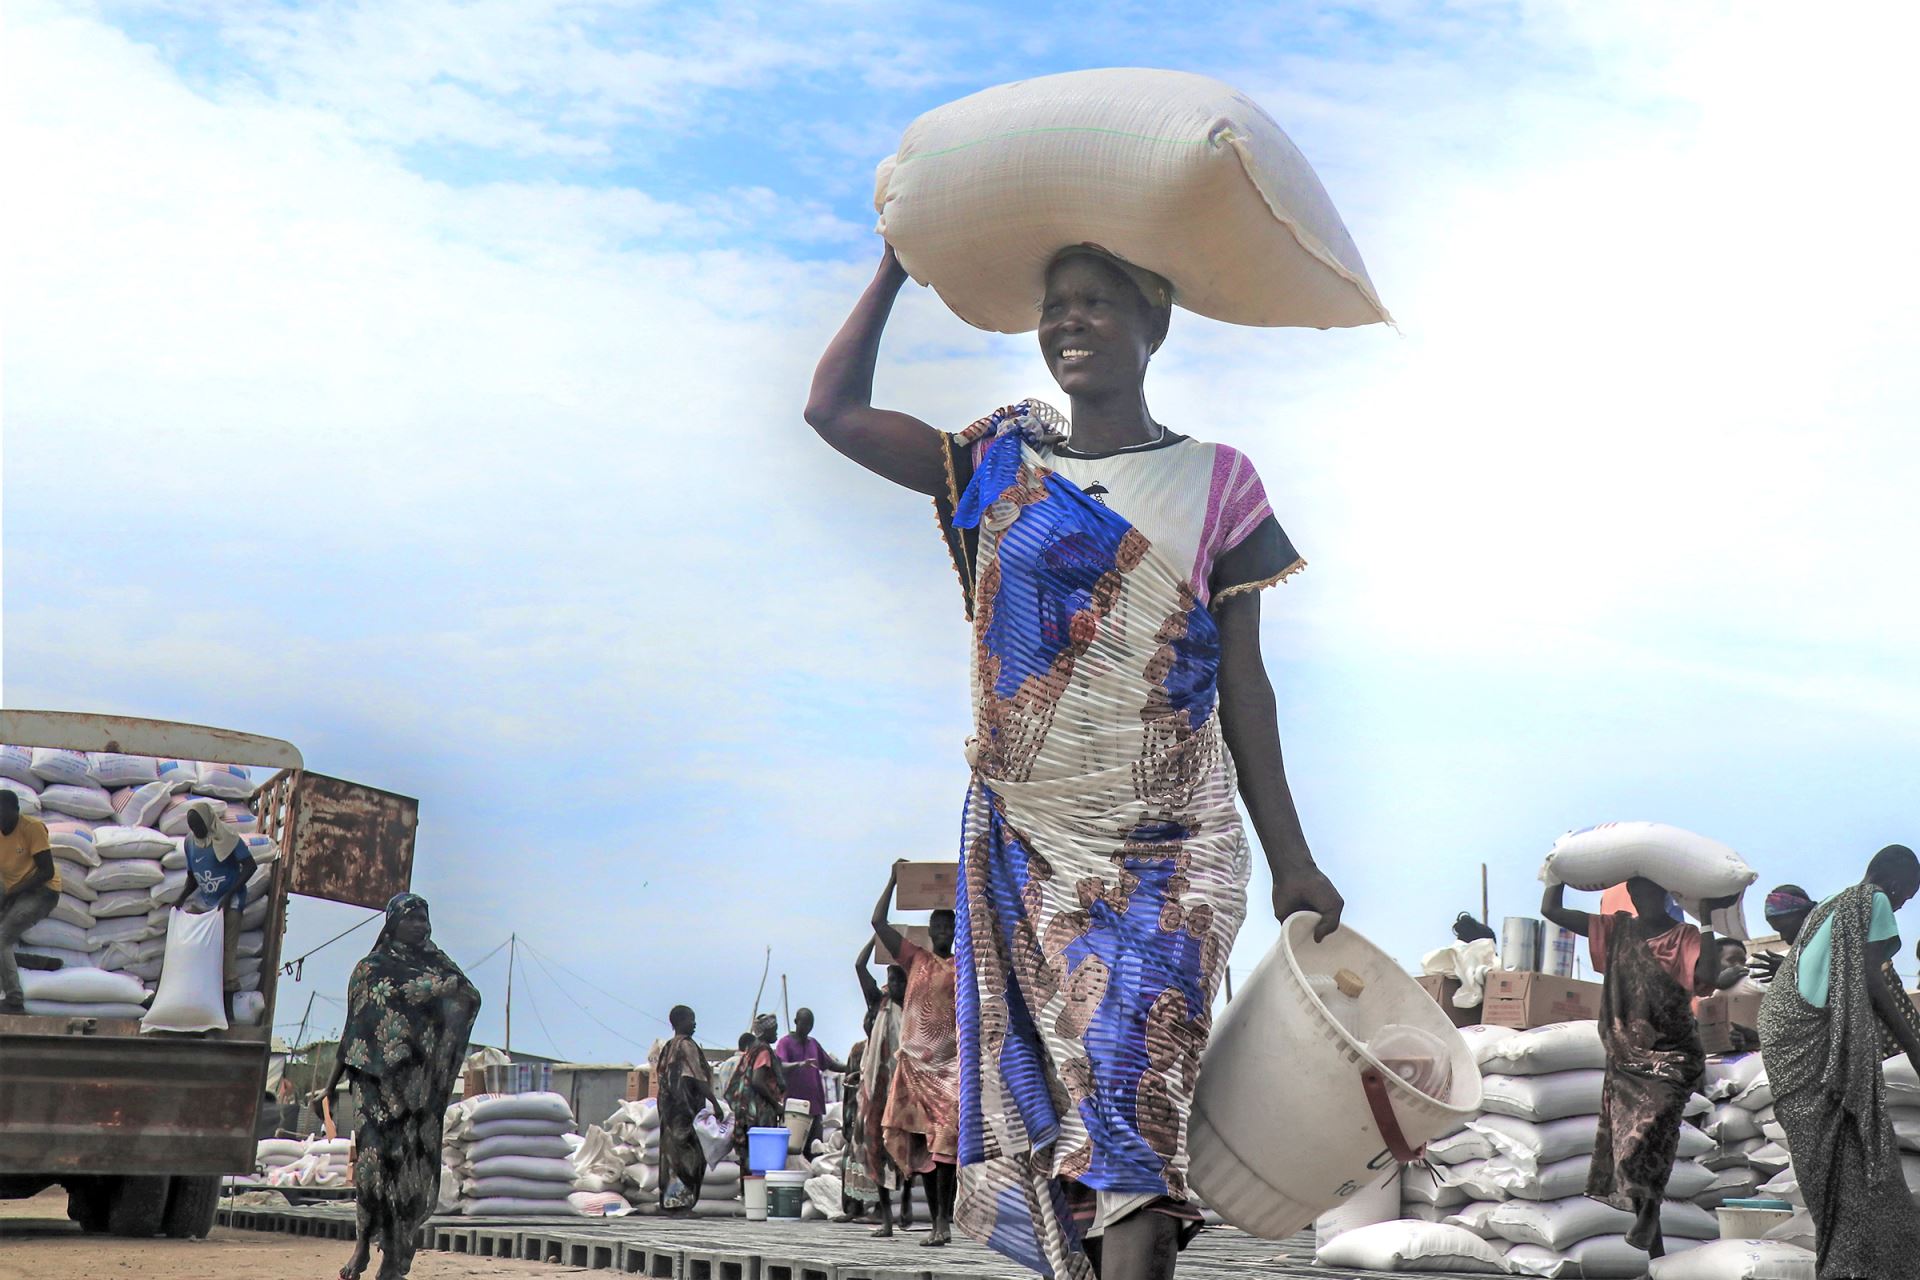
1383, 1118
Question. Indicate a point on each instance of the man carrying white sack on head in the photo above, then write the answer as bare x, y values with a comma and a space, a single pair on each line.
218, 868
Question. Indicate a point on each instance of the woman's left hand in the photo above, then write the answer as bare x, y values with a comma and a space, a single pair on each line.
1306, 888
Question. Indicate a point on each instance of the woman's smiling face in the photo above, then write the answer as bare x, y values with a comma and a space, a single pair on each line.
1096, 330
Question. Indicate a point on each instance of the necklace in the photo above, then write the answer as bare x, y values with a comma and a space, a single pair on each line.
1068, 449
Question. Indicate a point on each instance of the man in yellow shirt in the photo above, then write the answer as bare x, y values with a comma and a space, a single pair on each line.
29, 890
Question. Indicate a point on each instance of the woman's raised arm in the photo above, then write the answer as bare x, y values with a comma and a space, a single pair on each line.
895, 445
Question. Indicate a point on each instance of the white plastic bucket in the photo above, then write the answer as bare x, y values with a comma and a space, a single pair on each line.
1291, 1116
753, 1193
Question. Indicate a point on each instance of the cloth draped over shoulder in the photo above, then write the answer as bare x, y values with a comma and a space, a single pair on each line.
1823, 1062
409, 1012
1103, 864
1654, 1057
683, 1079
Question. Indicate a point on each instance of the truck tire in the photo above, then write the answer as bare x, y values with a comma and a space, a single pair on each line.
88, 1200
190, 1208
138, 1204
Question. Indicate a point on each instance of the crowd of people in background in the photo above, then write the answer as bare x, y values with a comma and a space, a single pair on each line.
1832, 1008
899, 1087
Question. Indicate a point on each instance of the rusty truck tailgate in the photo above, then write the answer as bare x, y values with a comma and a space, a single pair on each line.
126, 1103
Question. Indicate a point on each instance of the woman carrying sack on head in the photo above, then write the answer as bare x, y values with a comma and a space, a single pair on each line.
409, 1011
1121, 704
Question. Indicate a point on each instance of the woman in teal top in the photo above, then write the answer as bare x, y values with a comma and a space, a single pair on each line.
1831, 1015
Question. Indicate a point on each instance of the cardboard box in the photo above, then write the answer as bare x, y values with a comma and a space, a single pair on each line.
1443, 988
639, 1084
915, 933
1524, 1000
926, 886
1716, 1023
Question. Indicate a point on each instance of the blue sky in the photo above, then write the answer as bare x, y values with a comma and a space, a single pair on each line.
421, 383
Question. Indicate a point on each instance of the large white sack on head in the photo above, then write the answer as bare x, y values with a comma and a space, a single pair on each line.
76, 801
1736, 1260
60, 766
224, 781
115, 904
16, 763
140, 806
81, 986
485, 1188
125, 873
504, 1207
1174, 172
547, 1146
1600, 1256
1566, 1093
1683, 863
130, 842
1560, 1046
28, 795
110, 769
71, 910
1558, 1224
58, 933
68, 959
190, 996
1410, 1246
71, 1009
524, 1106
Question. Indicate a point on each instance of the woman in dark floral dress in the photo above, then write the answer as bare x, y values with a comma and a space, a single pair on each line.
409, 1009
758, 1094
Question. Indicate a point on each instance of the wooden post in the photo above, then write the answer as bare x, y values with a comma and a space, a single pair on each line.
785, 1012
513, 945
1486, 915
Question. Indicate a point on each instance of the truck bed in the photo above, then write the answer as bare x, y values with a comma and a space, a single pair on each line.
78, 1101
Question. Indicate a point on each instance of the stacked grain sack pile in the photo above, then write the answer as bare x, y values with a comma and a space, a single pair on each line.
1735, 1125
826, 1181
117, 824
510, 1154
1541, 1115
635, 1130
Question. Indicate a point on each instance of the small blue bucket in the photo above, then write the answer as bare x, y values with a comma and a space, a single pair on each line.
767, 1149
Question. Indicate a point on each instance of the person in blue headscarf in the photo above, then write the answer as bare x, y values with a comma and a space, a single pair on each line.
409, 1011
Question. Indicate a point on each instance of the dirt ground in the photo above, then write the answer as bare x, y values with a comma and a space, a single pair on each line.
38, 1243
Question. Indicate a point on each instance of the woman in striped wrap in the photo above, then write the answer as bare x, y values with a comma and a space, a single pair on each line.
1113, 577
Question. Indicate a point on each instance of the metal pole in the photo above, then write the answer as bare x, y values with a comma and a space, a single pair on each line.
1486, 916
513, 945
785, 1011
765, 966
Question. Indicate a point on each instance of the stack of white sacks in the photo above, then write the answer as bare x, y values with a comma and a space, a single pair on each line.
1516, 1175
825, 1181
290, 1162
635, 1132
507, 1155
1742, 1112
117, 824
